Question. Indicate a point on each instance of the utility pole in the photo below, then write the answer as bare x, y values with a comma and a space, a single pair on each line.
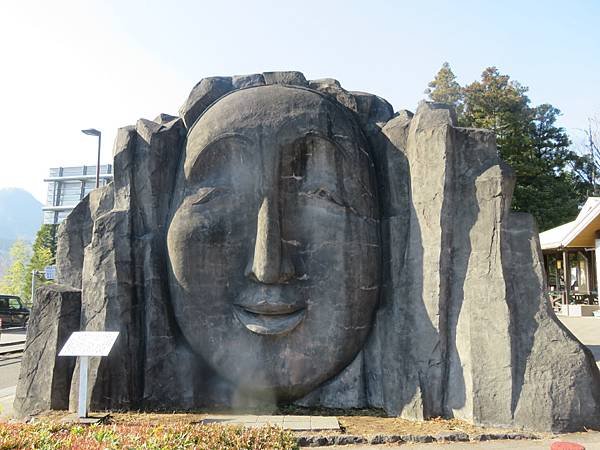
592, 156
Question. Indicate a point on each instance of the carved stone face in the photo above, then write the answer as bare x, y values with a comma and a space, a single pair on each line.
274, 240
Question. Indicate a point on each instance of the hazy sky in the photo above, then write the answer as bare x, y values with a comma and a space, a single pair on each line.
68, 65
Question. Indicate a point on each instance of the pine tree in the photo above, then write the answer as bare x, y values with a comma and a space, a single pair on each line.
529, 140
445, 89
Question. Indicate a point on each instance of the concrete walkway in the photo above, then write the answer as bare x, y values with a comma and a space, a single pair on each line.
294, 423
587, 330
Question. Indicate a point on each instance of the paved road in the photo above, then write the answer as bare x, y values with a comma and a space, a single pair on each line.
12, 335
9, 369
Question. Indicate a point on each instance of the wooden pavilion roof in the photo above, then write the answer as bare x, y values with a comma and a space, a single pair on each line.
579, 233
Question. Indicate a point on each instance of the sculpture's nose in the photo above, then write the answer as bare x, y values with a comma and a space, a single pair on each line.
270, 263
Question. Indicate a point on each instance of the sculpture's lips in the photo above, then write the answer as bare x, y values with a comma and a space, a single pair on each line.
268, 318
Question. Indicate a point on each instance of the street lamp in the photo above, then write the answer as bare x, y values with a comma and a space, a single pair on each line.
94, 132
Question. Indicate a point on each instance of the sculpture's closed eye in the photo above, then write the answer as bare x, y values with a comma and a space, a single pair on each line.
206, 194
324, 194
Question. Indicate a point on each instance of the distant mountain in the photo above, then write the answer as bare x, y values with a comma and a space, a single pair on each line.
20, 216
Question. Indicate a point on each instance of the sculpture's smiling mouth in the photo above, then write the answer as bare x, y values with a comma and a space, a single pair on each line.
269, 319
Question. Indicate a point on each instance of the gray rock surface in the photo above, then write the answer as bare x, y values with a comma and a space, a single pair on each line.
302, 243
45, 378
245, 81
333, 88
548, 391
372, 110
75, 234
203, 94
291, 78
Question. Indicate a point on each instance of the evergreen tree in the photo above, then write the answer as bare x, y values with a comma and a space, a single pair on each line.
528, 140
445, 89
44, 254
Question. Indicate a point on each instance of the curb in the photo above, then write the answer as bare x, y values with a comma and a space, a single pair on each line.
323, 441
18, 347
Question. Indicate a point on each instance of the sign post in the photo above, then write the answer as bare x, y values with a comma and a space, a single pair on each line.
83, 382
85, 344
33, 274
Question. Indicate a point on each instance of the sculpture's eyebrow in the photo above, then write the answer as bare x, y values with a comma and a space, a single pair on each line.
337, 145
350, 157
191, 166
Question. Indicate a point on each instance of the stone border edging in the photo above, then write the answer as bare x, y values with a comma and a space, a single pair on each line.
348, 439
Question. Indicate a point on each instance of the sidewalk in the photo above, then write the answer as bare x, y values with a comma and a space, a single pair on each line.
587, 330
7, 396
15, 336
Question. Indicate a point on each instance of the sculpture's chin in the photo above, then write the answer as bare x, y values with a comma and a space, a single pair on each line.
269, 324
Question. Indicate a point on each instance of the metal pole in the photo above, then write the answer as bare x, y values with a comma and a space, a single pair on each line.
567, 276
83, 381
32, 286
98, 164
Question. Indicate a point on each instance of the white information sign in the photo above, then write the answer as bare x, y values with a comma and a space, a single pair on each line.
89, 343
85, 344
50, 272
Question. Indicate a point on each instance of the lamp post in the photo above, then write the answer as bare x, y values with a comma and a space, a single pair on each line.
94, 132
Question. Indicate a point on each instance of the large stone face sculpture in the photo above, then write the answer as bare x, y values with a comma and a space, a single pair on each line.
274, 241
289, 241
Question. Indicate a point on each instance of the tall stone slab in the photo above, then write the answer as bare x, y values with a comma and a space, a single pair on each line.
392, 380
168, 369
479, 358
108, 304
75, 233
555, 383
45, 377
428, 250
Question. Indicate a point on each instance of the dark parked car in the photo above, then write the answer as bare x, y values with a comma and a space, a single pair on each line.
12, 311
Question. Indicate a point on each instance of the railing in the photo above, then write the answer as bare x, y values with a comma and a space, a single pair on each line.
558, 298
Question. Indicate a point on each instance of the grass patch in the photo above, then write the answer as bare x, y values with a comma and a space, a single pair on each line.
146, 436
